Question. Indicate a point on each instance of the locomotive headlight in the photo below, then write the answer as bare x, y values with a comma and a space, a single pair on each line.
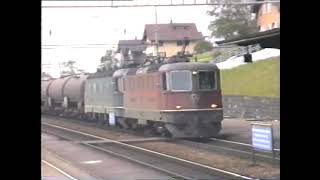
213, 105
194, 72
178, 107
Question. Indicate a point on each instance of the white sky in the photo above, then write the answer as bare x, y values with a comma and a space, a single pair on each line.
104, 26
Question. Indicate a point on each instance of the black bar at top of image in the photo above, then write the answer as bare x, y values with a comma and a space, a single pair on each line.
87, 0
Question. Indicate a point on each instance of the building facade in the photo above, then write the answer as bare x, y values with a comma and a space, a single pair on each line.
171, 38
131, 51
267, 16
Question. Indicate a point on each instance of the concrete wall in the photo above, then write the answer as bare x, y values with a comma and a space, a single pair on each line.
251, 107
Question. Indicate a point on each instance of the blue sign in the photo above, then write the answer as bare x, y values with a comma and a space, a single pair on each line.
262, 137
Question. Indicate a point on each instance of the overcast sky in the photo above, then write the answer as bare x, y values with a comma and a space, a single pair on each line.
80, 26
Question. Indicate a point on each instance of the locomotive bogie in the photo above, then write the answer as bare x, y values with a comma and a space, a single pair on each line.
193, 123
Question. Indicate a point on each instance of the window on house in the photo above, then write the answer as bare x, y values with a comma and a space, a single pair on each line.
269, 6
160, 43
273, 25
265, 8
253, 16
179, 43
162, 54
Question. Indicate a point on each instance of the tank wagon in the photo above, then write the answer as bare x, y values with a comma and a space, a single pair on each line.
178, 99
64, 96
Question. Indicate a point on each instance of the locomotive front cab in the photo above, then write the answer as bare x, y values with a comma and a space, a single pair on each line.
192, 101
187, 80
202, 86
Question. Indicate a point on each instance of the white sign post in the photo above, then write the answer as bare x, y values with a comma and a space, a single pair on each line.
262, 138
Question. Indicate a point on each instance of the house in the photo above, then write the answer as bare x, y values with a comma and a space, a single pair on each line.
131, 50
267, 15
171, 38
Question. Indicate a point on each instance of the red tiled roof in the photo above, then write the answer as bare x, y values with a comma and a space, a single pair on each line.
172, 31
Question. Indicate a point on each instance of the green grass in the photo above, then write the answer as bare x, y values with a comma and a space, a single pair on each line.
260, 78
204, 57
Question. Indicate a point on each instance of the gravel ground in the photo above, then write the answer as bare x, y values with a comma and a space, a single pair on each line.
92, 130
230, 163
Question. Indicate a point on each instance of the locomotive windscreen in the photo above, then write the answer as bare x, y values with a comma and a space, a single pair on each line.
181, 81
207, 80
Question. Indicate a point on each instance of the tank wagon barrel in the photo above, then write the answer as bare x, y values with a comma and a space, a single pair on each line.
65, 93
44, 90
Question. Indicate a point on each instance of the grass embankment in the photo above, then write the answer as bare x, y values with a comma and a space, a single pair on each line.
204, 57
261, 78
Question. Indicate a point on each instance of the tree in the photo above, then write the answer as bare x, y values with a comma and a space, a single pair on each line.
106, 61
45, 75
106, 57
69, 65
203, 46
231, 20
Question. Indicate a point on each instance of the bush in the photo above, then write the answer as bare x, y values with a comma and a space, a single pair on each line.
203, 46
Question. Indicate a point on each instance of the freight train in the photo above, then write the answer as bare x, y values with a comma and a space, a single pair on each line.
179, 99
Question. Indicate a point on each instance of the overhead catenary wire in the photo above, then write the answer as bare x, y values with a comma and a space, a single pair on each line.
207, 3
48, 45
106, 45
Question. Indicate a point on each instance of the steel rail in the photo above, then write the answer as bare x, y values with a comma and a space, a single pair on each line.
154, 152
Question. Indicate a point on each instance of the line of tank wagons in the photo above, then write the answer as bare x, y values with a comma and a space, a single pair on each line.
177, 99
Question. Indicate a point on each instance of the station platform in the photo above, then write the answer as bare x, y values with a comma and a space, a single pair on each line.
85, 163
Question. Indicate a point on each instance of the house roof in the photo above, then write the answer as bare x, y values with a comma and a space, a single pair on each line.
172, 31
133, 45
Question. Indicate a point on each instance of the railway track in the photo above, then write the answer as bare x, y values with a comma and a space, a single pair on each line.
66, 175
240, 144
173, 166
238, 149
233, 148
